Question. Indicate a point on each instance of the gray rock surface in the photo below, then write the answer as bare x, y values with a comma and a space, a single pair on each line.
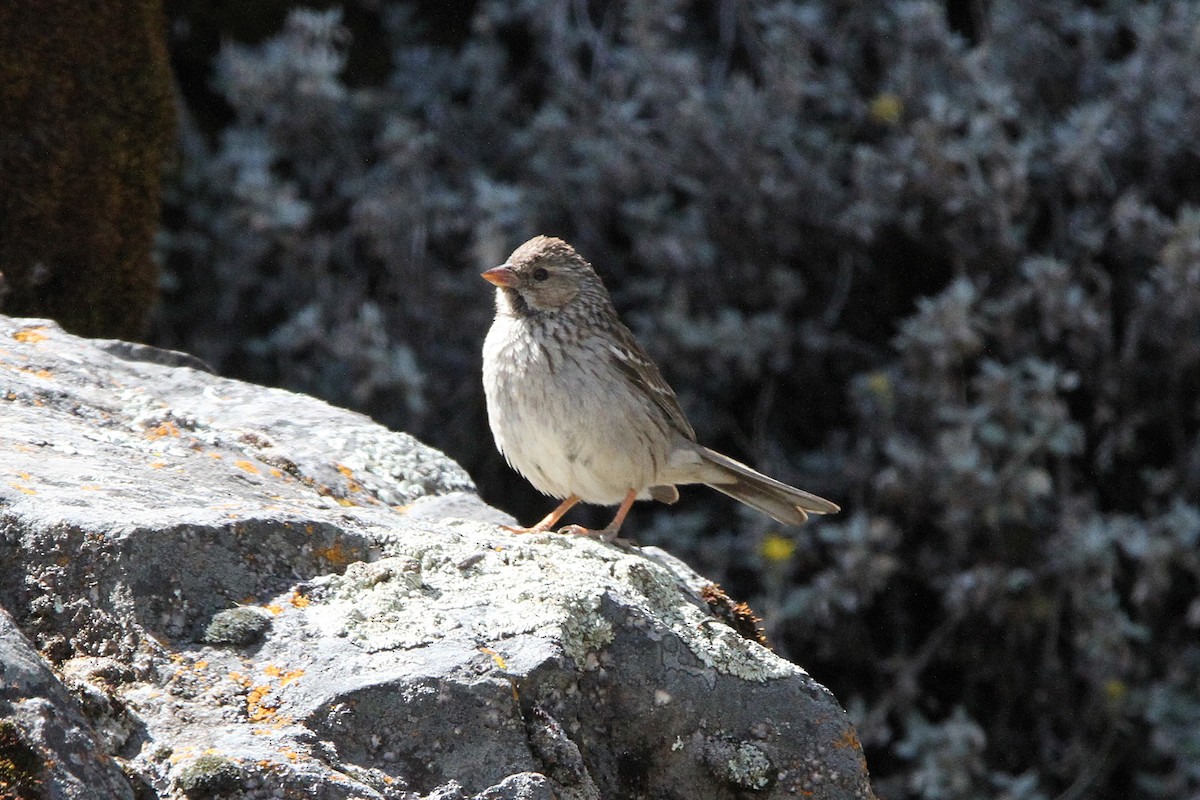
248, 593
48, 748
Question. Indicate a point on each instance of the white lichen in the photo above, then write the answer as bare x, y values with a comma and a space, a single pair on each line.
551, 586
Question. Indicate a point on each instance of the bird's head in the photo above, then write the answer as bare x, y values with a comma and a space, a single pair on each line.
544, 275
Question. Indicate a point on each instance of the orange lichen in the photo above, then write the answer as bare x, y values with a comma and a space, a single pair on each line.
285, 678
247, 466
352, 485
848, 738
496, 657
256, 711
334, 554
30, 335
162, 430
257, 707
290, 676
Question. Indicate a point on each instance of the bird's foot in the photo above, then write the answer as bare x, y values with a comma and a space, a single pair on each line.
604, 534
518, 529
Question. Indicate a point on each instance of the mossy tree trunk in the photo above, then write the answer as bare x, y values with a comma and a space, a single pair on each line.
87, 118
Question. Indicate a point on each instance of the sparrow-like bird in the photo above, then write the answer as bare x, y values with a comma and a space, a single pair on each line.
577, 407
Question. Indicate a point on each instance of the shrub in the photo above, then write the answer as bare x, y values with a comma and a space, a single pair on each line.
939, 263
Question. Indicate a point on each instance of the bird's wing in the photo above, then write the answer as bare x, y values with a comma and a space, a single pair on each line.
632, 362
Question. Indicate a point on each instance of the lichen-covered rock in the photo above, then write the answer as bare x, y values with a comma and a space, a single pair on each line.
251, 592
48, 750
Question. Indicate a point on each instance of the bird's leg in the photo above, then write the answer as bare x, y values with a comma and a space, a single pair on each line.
614, 527
548, 521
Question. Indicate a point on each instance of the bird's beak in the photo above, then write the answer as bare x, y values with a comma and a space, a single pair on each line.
502, 276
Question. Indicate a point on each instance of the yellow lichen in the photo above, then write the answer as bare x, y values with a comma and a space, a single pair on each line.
496, 657
335, 553
30, 335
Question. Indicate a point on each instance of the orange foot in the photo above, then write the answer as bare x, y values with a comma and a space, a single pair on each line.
548, 521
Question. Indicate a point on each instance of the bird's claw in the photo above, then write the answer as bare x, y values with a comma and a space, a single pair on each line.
605, 535
519, 530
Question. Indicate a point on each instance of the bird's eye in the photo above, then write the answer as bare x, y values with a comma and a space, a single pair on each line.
541, 273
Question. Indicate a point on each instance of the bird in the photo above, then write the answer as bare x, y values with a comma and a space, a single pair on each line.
580, 411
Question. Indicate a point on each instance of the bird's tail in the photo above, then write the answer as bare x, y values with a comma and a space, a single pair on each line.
785, 504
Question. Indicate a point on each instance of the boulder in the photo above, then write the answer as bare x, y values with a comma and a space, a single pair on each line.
225, 590
48, 747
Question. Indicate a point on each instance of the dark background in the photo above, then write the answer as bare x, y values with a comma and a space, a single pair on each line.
937, 261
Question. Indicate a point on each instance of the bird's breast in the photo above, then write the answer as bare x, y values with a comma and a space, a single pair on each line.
561, 420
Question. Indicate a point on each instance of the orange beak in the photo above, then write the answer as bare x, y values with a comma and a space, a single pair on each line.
502, 276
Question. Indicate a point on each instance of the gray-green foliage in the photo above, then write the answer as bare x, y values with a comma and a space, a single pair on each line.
951, 279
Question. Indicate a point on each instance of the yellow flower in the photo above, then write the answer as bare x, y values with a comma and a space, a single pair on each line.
1115, 691
880, 385
886, 108
776, 548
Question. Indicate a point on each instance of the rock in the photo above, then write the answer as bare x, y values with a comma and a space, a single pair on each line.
237, 626
209, 776
48, 750
250, 593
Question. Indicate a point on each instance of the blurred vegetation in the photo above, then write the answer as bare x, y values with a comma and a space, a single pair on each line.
937, 261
